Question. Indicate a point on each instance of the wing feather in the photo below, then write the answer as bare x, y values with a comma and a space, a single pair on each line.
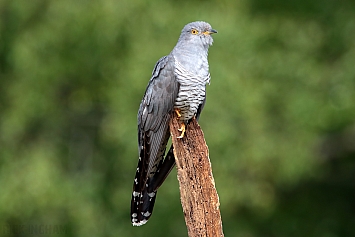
153, 134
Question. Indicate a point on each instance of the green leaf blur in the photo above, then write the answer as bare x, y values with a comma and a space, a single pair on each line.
279, 119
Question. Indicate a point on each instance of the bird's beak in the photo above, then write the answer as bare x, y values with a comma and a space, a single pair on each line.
209, 32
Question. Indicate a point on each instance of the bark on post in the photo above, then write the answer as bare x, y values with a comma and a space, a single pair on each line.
198, 193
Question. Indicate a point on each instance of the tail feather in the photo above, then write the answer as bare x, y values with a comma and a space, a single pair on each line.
142, 206
143, 197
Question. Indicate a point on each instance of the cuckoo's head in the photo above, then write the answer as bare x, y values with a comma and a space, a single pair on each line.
197, 33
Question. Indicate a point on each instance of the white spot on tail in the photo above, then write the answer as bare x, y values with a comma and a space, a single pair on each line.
135, 194
142, 222
146, 214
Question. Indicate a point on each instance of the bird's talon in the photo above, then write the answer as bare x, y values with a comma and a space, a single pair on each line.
182, 130
181, 136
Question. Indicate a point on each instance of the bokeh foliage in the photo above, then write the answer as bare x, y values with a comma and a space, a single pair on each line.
279, 119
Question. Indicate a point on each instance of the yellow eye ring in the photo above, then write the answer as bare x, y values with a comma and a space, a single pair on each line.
194, 31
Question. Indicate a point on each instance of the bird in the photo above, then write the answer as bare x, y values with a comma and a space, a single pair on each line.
177, 85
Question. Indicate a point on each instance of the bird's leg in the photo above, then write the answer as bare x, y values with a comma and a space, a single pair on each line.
182, 130
177, 111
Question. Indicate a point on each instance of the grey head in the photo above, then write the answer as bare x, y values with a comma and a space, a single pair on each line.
191, 49
196, 34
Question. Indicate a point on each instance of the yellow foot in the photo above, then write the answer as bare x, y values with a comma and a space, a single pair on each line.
182, 130
177, 111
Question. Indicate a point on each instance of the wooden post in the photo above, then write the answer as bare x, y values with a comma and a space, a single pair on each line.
199, 198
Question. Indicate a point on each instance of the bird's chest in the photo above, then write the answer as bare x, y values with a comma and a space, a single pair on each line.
192, 92
189, 98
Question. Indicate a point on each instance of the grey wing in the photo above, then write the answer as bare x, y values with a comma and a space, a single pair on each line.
155, 109
153, 134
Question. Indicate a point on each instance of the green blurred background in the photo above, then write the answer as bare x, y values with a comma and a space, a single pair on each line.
279, 119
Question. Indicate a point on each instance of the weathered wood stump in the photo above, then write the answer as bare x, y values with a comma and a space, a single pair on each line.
199, 198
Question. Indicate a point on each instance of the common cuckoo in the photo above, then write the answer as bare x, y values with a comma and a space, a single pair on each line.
178, 84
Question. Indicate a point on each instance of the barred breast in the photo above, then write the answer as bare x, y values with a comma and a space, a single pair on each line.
192, 91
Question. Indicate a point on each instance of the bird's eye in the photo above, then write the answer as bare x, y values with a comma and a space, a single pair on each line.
194, 31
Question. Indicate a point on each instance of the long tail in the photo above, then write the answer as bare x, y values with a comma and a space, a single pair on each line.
142, 202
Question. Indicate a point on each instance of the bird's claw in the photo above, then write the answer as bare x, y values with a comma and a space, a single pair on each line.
182, 130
